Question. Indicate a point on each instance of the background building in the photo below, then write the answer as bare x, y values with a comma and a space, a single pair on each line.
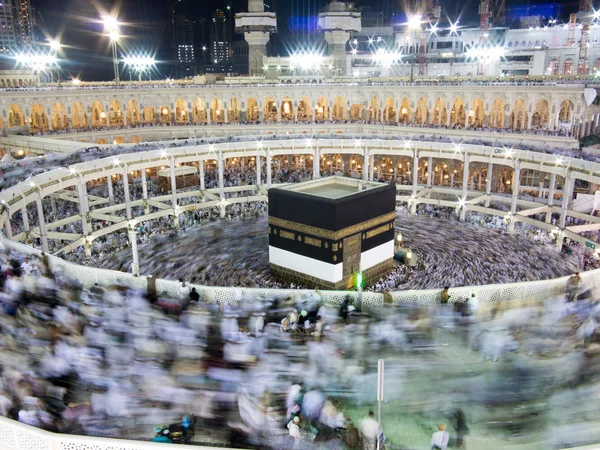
220, 43
17, 26
185, 57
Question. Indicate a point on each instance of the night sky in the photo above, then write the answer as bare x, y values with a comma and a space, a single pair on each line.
86, 51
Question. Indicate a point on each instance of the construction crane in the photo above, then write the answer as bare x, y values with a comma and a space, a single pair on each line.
429, 12
584, 19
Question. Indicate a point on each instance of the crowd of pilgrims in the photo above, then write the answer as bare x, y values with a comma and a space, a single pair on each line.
200, 250
282, 371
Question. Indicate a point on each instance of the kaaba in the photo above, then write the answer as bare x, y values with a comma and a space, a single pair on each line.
331, 233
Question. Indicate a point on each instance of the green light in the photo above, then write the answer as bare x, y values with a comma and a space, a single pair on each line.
358, 280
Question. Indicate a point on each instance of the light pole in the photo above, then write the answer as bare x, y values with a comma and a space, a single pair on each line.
111, 26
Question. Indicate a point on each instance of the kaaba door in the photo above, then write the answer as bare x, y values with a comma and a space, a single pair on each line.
351, 259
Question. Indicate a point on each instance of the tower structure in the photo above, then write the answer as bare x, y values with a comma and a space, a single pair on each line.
257, 27
485, 14
337, 22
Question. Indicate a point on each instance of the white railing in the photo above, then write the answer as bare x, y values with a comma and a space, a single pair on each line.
163, 133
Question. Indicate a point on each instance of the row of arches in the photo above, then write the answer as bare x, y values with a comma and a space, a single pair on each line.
456, 114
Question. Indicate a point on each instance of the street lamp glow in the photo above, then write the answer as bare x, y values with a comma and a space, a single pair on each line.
114, 35
76, 81
55, 45
38, 62
414, 22
454, 27
110, 23
139, 63
433, 29
307, 60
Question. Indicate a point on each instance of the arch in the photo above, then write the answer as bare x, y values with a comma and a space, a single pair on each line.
79, 118
541, 116
374, 110
565, 114
287, 109
119, 140
405, 113
164, 114
457, 113
389, 111
252, 113
321, 110
199, 111
304, 113
270, 110
115, 115
136, 139
568, 67
477, 114
217, 113
133, 112
497, 117
149, 114
181, 111
101, 141
518, 116
339, 109
233, 110
98, 115
39, 120
59, 117
357, 112
440, 116
422, 112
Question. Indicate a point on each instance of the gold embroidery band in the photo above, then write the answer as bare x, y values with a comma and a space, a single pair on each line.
287, 235
328, 234
377, 231
312, 241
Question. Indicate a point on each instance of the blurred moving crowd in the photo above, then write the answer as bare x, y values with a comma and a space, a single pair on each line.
285, 372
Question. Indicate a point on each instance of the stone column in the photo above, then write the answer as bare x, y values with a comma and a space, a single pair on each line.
173, 182
366, 165
371, 167
7, 227
258, 169
516, 182
551, 190
488, 183
430, 181
111, 194
82, 194
135, 264
41, 221
269, 169
24, 215
145, 191
317, 164
566, 198
221, 163
567, 187
126, 192
415, 174
465, 186
201, 173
